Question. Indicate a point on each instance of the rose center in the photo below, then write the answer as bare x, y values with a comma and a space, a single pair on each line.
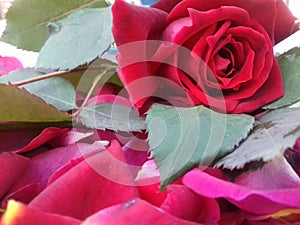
223, 61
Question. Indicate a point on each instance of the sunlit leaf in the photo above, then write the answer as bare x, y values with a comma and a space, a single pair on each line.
27, 21
19, 108
77, 39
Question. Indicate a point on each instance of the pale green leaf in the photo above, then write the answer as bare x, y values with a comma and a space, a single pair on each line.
290, 68
55, 91
27, 21
113, 117
272, 134
182, 138
77, 39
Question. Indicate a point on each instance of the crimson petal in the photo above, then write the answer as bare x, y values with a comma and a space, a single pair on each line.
19, 214
12, 166
135, 211
83, 190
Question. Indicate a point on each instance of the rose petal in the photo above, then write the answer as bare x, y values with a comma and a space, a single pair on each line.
127, 28
245, 198
19, 214
136, 152
135, 211
263, 96
275, 175
8, 64
128, 17
12, 166
285, 22
71, 137
24, 194
186, 204
262, 11
83, 190
166, 5
12, 140
46, 135
41, 168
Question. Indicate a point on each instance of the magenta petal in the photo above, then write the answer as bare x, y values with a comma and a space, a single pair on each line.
12, 166
275, 175
83, 190
186, 204
134, 212
270, 201
8, 64
19, 214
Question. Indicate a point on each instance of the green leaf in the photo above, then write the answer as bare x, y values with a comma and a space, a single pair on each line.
113, 117
289, 64
55, 91
272, 134
27, 20
20, 107
77, 39
182, 138
83, 77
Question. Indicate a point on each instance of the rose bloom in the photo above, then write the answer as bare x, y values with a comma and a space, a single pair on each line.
215, 53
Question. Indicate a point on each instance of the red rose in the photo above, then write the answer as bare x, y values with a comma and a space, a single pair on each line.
233, 38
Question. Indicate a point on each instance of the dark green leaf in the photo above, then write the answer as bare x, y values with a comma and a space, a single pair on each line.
77, 39
272, 134
20, 107
112, 116
27, 20
290, 68
55, 91
182, 138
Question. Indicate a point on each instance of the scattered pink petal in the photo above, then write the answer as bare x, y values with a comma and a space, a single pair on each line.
243, 197
73, 193
186, 204
109, 98
19, 214
148, 170
8, 64
136, 152
70, 137
45, 136
40, 169
275, 175
135, 211
12, 140
12, 166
